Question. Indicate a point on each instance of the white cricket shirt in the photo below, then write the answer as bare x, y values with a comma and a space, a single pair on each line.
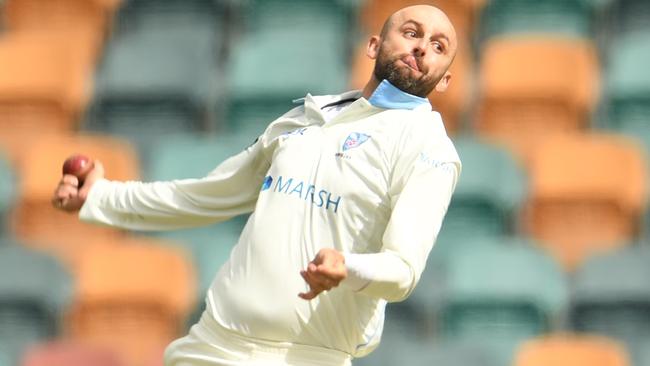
371, 181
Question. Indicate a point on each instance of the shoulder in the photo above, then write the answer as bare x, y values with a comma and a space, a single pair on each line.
424, 131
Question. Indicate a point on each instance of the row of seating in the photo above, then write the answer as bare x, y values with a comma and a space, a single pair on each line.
130, 296
194, 65
500, 292
493, 292
561, 349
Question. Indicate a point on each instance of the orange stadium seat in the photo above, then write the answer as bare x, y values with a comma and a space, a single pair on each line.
43, 85
463, 15
531, 87
571, 350
82, 15
67, 353
132, 298
587, 193
34, 220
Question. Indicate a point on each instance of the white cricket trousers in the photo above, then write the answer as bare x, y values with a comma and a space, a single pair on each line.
209, 344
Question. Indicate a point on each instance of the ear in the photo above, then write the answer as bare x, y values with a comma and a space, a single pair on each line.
444, 82
372, 49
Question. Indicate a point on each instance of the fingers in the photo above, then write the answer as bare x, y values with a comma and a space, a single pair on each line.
322, 277
66, 194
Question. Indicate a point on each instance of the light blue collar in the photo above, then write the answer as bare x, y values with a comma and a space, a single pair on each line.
390, 97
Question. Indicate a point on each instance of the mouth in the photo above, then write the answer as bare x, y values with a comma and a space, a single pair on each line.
411, 62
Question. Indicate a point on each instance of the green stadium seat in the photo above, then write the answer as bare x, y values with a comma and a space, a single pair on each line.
630, 16
35, 290
401, 345
611, 296
501, 293
571, 18
288, 48
628, 86
7, 192
159, 75
489, 194
188, 156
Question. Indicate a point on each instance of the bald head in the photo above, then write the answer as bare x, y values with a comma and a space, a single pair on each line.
416, 46
425, 11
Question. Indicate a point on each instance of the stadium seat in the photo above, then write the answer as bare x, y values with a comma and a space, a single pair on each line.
4, 354
35, 291
587, 193
571, 350
41, 87
301, 42
501, 293
8, 192
532, 87
490, 195
211, 245
611, 296
67, 353
628, 86
35, 221
137, 307
160, 73
85, 22
405, 349
567, 18
630, 16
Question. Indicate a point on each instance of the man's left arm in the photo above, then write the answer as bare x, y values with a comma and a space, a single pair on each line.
419, 206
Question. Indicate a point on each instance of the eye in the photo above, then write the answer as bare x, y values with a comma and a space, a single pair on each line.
438, 47
410, 34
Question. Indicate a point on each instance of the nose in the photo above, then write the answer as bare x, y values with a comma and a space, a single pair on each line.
419, 49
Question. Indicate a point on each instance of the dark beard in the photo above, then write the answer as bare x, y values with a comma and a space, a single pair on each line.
387, 69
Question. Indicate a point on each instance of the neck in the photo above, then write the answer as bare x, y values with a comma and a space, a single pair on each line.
370, 87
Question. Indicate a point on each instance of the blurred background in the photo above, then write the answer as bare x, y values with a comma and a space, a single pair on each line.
543, 258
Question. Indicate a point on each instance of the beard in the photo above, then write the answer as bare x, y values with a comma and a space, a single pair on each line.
386, 68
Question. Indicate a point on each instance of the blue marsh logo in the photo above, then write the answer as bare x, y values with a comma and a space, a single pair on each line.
301, 190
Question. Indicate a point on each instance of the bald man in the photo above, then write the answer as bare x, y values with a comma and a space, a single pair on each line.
347, 194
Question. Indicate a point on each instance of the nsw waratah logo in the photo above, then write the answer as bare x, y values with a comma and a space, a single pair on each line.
355, 139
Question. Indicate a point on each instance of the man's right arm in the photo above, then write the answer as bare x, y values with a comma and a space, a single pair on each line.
229, 190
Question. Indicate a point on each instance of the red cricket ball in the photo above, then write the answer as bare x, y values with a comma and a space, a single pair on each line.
78, 165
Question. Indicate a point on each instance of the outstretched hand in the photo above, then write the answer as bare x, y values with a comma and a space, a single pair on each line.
325, 272
68, 196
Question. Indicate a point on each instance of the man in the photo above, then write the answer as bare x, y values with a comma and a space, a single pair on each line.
347, 194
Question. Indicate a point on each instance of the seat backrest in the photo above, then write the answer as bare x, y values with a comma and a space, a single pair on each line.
128, 308
35, 291
586, 192
500, 294
568, 18
77, 14
572, 350
534, 86
490, 195
172, 161
507, 269
611, 295
143, 261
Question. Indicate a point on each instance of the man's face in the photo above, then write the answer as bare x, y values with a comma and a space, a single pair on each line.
415, 51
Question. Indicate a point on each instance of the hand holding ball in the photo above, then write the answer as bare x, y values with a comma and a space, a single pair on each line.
79, 166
